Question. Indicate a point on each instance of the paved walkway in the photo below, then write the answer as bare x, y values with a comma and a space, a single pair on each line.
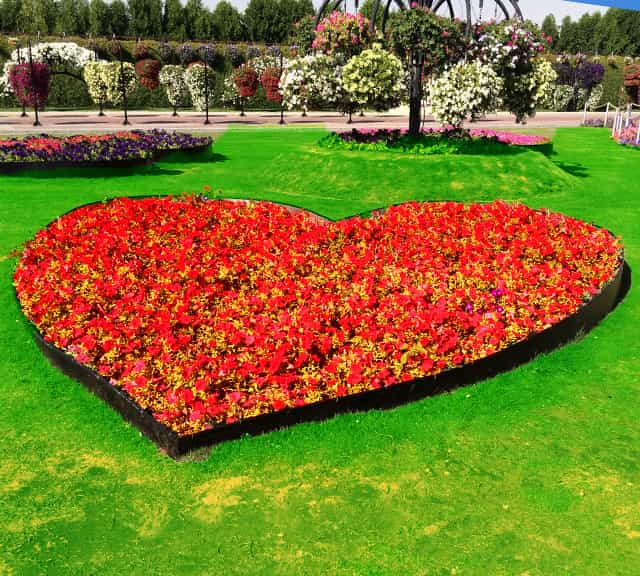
88, 121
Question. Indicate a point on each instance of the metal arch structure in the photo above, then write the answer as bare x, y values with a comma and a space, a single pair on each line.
510, 9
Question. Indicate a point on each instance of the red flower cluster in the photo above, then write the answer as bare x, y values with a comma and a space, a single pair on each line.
148, 71
30, 83
214, 311
270, 81
246, 81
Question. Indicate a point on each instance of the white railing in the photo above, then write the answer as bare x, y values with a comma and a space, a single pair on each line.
623, 119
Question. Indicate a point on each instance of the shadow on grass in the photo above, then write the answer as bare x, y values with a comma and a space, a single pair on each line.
115, 171
572, 168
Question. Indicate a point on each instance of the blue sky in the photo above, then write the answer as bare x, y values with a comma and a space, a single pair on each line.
535, 10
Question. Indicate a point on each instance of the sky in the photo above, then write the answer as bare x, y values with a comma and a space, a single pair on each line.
534, 10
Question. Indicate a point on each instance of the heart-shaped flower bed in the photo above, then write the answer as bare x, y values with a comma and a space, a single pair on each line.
210, 312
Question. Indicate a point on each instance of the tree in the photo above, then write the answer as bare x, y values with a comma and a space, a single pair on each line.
198, 20
568, 36
145, 17
32, 17
9, 11
99, 18
118, 18
173, 19
264, 21
227, 22
550, 28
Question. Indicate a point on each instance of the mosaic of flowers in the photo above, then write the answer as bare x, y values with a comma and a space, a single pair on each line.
208, 312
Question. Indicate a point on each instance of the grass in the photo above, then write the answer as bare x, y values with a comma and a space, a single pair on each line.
532, 472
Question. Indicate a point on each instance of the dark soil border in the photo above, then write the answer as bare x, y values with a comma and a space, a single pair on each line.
11, 167
590, 314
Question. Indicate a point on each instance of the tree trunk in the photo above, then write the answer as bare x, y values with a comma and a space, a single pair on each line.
415, 92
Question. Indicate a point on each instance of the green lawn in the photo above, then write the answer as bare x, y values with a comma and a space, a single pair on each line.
534, 472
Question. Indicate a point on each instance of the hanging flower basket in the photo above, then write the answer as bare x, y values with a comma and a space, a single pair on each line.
30, 83
270, 81
246, 81
148, 71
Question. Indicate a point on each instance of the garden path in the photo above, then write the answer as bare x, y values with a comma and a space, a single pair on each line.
88, 121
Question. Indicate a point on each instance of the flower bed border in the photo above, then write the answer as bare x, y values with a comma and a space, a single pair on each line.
588, 316
544, 147
11, 167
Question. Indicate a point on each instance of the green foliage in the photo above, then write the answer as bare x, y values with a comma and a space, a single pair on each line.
441, 39
549, 27
146, 18
173, 25
617, 32
303, 33
272, 21
227, 22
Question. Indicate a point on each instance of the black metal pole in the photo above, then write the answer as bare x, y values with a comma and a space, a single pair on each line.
281, 98
415, 91
206, 86
123, 86
24, 109
33, 84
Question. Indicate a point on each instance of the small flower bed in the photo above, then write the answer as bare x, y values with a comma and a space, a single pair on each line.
435, 141
628, 136
104, 148
209, 312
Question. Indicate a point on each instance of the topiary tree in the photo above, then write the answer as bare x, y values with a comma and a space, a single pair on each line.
245, 79
511, 48
427, 43
121, 81
342, 35
465, 89
94, 74
172, 79
201, 84
30, 84
374, 78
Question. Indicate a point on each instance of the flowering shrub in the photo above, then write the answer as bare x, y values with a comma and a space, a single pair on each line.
58, 56
96, 78
304, 34
441, 40
374, 78
119, 76
200, 82
463, 90
234, 54
511, 50
311, 80
148, 71
434, 141
246, 80
30, 83
526, 91
172, 78
82, 149
187, 54
141, 52
270, 81
208, 312
342, 34
577, 82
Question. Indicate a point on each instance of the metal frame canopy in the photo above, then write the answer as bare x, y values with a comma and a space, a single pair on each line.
509, 9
